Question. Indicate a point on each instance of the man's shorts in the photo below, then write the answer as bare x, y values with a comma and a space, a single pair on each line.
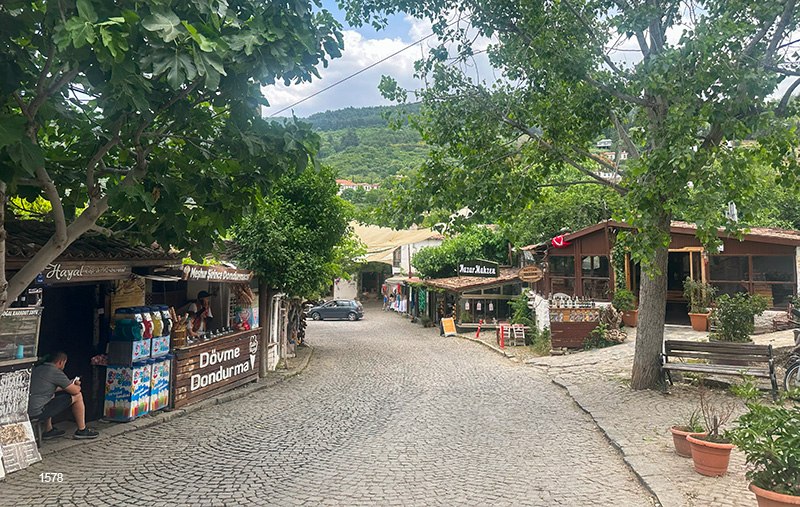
60, 402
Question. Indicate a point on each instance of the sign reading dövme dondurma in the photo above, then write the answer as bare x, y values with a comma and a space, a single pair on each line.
214, 367
478, 267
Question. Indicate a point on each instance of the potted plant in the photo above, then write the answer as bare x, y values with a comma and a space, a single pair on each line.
625, 301
700, 296
679, 432
712, 452
768, 436
734, 316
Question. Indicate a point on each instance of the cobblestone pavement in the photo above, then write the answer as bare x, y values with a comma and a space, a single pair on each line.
638, 422
387, 413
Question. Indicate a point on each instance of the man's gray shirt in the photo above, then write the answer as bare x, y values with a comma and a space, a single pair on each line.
45, 378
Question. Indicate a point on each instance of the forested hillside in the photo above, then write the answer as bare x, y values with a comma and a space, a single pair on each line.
361, 146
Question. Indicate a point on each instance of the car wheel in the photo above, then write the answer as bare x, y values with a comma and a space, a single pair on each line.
352, 316
316, 316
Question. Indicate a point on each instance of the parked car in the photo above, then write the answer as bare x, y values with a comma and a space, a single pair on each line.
349, 309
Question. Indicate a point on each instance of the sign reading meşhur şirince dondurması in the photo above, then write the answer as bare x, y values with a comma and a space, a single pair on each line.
481, 268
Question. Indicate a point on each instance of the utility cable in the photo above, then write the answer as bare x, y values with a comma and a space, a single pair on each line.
360, 71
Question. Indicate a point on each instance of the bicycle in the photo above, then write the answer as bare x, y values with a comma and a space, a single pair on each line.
791, 381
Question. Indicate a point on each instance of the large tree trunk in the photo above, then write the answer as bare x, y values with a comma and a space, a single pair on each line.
646, 372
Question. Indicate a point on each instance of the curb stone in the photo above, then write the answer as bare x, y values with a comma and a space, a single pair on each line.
117, 429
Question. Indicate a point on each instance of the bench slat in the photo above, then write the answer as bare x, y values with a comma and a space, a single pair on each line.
734, 348
721, 357
719, 369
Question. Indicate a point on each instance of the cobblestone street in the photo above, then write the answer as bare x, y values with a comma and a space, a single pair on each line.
386, 413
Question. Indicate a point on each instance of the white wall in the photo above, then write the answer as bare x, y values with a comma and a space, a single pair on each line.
408, 252
345, 289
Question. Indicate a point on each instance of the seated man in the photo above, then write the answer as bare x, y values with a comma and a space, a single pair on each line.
52, 392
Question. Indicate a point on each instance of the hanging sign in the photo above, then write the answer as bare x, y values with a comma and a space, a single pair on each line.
531, 274
477, 267
478, 306
197, 273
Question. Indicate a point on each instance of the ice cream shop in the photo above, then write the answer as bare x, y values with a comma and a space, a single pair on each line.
141, 330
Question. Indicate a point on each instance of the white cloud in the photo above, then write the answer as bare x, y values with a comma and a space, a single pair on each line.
358, 91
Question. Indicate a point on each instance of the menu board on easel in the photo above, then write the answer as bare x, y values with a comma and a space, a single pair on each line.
17, 443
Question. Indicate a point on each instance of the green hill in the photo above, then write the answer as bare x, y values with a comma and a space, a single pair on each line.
361, 146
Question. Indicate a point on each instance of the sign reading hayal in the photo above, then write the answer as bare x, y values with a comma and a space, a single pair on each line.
477, 267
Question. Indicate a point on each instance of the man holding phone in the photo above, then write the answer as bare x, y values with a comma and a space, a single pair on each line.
52, 392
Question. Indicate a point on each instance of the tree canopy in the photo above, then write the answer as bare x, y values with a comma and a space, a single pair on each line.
143, 117
705, 73
474, 243
299, 239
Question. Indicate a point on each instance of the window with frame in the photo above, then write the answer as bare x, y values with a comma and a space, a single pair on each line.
562, 274
596, 278
397, 257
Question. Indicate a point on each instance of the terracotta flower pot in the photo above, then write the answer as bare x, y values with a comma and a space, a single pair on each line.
629, 318
682, 446
699, 321
768, 498
710, 458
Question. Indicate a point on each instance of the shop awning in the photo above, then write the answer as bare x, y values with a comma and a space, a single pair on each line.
461, 283
161, 278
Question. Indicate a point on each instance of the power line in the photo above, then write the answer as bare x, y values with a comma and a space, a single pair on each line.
354, 74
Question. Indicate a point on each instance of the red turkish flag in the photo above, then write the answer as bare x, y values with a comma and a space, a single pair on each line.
559, 242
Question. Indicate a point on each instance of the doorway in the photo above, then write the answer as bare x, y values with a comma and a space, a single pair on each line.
681, 264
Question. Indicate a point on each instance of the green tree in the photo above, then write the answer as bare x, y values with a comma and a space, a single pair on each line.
474, 243
299, 239
706, 73
144, 116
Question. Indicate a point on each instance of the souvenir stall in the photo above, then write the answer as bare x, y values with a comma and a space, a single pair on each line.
476, 299
225, 354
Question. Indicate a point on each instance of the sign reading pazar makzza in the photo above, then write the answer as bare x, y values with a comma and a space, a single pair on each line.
478, 267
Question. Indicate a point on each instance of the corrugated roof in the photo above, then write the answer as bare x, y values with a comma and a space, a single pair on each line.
460, 283
26, 237
379, 239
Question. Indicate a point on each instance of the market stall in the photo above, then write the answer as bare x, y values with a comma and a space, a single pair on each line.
572, 321
476, 298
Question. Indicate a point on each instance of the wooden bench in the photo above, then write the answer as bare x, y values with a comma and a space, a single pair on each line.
719, 358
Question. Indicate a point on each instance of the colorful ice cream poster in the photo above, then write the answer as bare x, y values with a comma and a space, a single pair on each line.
140, 402
160, 346
159, 385
119, 390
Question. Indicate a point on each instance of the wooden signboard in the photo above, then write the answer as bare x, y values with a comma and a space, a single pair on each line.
449, 326
531, 274
478, 267
213, 367
70, 272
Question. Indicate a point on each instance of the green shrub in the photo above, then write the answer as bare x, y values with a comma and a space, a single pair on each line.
699, 294
623, 300
734, 316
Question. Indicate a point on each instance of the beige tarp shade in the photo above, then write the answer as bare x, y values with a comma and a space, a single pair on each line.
382, 238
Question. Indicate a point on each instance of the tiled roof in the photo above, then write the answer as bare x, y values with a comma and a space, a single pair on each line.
26, 237
460, 283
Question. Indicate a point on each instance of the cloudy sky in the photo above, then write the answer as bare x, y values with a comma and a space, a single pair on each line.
362, 48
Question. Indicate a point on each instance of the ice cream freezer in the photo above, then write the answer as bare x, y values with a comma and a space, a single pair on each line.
132, 391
